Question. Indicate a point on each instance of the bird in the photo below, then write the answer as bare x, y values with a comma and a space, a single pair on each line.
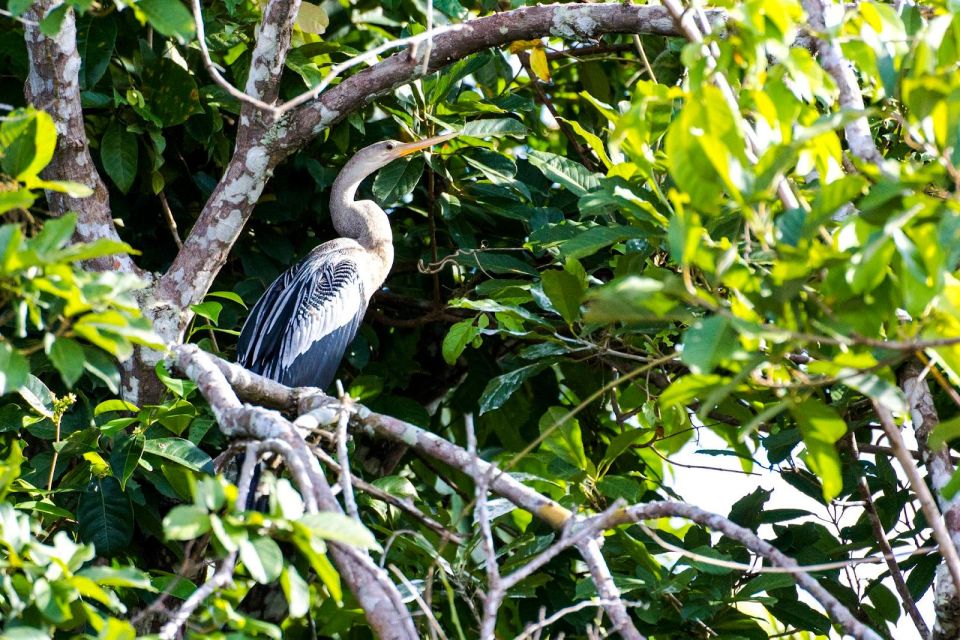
298, 331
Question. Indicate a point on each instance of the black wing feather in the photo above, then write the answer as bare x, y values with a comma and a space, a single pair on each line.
298, 331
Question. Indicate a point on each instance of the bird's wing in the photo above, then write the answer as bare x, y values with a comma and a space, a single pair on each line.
303, 328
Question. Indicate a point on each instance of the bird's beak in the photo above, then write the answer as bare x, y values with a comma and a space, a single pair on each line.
412, 147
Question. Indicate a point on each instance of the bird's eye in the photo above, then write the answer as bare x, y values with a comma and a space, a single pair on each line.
390, 147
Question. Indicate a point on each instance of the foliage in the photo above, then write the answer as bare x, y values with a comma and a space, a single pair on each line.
598, 286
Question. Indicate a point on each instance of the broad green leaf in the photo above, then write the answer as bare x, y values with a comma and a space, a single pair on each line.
565, 291
186, 522
228, 295
29, 138
821, 427
51, 23
494, 127
129, 577
262, 558
14, 368
296, 591
126, 454
458, 337
181, 451
168, 17
707, 343
594, 239
115, 404
96, 37
563, 437
104, 516
118, 152
397, 179
209, 310
572, 175
339, 528
169, 90
17, 199
944, 432
67, 356
312, 18
499, 389
37, 395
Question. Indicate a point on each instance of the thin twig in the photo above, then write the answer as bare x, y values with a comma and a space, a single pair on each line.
171, 222
404, 504
211, 67
343, 455
927, 501
881, 537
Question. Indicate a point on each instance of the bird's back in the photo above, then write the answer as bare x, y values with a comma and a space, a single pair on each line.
300, 328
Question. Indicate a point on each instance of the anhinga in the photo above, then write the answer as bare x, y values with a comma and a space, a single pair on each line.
298, 331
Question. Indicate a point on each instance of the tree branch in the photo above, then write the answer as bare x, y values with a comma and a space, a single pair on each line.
53, 85
857, 132
249, 385
379, 598
665, 509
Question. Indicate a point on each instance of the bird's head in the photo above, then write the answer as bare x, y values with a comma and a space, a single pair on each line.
383, 153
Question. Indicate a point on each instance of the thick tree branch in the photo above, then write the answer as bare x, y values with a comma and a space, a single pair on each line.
250, 386
53, 85
857, 132
378, 597
570, 21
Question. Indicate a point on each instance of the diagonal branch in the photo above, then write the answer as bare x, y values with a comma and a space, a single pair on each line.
249, 385
857, 132
379, 598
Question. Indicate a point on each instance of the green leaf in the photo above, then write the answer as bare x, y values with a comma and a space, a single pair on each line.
126, 454
181, 451
458, 337
104, 516
29, 138
128, 577
572, 175
115, 405
209, 310
397, 179
169, 90
37, 395
494, 127
118, 152
51, 23
563, 438
944, 432
821, 427
67, 356
296, 590
169, 18
186, 522
339, 528
707, 343
565, 291
18, 199
182, 388
96, 37
262, 558
228, 295
499, 389
55, 233
14, 368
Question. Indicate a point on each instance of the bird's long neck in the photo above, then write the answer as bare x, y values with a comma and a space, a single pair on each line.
363, 220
